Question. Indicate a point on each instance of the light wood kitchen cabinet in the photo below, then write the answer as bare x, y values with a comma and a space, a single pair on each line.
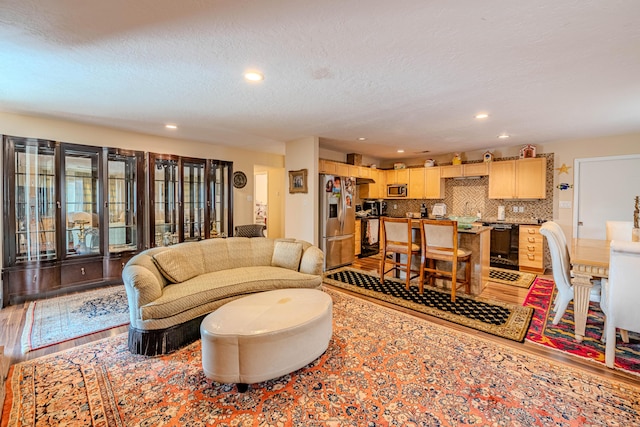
475, 169
434, 184
327, 166
464, 170
518, 179
375, 190
416, 183
531, 178
358, 236
531, 249
451, 171
342, 169
397, 176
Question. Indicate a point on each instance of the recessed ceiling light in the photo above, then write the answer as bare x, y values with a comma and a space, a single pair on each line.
253, 76
504, 136
482, 116
171, 126
362, 138
401, 151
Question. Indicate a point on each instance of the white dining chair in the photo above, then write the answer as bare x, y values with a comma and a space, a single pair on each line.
619, 230
561, 267
620, 294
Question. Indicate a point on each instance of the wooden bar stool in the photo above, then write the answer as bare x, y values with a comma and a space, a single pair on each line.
396, 239
440, 243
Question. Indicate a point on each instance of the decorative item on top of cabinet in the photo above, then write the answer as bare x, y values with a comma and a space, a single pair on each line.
528, 151
487, 156
531, 249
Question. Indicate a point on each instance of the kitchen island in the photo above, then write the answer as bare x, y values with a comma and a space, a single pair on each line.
477, 239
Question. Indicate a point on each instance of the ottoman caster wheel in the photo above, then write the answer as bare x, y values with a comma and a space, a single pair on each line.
242, 388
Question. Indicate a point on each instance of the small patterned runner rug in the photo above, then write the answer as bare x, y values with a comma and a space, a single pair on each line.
382, 368
561, 336
501, 319
55, 320
520, 279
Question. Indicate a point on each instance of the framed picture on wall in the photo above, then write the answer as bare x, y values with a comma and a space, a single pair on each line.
298, 181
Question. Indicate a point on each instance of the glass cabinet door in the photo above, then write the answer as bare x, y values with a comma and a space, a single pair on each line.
220, 213
193, 184
81, 200
122, 198
165, 181
35, 200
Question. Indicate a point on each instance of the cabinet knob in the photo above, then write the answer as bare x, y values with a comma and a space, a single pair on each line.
82, 270
122, 264
35, 278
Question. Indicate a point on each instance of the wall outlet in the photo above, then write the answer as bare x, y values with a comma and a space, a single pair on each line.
521, 209
395, 206
565, 204
515, 209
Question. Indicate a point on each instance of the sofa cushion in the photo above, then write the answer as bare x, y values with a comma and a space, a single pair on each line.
175, 266
287, 255
219, 285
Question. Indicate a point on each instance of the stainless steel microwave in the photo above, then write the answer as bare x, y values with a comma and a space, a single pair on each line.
397, 190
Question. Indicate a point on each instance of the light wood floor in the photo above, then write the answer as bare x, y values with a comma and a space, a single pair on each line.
12, 320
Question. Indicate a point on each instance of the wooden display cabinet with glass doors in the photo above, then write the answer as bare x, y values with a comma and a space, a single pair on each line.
190, 199
124, 208
57, 222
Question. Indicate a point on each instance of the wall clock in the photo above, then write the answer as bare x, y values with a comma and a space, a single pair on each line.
239, 179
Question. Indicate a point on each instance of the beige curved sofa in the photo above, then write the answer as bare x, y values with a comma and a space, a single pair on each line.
171, 289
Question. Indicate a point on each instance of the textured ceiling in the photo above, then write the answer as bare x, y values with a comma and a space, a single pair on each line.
405, 74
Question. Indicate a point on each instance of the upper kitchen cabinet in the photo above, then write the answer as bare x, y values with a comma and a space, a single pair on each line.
397, 176
518, 179
434, 184
374, 190
416, 183
464, 170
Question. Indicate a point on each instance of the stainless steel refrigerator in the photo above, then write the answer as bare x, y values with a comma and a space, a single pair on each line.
337, 220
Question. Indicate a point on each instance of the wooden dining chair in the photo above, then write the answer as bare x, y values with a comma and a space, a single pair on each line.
396, 239
440, 243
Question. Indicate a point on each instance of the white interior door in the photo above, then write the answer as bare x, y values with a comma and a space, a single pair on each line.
605, 189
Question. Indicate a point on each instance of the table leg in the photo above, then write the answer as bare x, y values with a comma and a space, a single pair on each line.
581, 291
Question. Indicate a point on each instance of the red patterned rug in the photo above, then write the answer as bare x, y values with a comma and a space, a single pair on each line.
561, 336
382, 367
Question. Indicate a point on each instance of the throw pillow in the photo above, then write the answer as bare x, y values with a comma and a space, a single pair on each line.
287, 255
174, 266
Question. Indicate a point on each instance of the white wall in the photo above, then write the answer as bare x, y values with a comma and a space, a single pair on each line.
301, 209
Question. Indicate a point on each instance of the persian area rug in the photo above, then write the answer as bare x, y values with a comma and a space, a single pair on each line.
382, 367
521, 279
561, 336
55, 320
501, 319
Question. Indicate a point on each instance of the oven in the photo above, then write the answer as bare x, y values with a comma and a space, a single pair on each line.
370, 236
504, 245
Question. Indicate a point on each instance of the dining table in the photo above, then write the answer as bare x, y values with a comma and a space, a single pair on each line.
589, 261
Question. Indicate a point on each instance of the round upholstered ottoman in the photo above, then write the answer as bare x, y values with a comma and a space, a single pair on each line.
265, 335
